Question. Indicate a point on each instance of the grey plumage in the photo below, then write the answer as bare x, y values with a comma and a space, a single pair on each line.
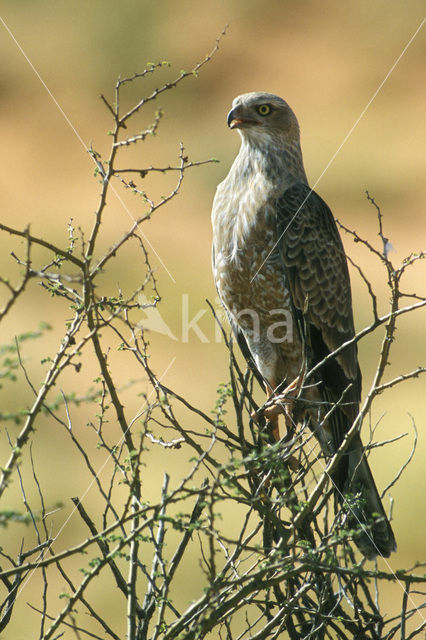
281, 273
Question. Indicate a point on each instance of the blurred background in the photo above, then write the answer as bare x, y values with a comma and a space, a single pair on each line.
327, 59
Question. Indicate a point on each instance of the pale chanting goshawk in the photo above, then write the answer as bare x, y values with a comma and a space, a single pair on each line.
282, 276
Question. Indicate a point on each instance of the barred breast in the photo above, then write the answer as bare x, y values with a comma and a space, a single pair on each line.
251, 283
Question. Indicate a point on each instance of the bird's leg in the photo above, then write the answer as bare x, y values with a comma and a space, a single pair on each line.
283, 404
272, 419
280, 405
273, 412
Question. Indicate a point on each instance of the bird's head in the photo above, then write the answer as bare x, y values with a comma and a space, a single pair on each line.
263, 115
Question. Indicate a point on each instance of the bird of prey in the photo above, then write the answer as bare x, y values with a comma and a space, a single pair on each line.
281, 274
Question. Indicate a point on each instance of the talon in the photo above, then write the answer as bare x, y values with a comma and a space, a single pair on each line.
255, 417
273, 410
283, 404
280, 405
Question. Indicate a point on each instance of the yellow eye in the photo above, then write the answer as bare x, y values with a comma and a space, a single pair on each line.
264, 109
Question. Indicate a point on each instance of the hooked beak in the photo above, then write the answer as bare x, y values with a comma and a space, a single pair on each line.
235, 121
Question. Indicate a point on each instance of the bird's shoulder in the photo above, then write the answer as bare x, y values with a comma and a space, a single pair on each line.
300, 208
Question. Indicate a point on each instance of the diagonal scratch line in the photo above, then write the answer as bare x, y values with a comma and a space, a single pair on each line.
345, 139
278, 400
90, 485
385, 560
44, 84
84, 145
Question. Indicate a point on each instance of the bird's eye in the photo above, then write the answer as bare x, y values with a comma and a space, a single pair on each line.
264, 110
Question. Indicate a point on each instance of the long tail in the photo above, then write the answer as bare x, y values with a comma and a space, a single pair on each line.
366, 514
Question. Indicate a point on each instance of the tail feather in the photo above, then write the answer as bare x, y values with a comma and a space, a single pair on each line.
355, 487
367, 514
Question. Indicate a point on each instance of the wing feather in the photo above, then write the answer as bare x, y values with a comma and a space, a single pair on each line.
316, 268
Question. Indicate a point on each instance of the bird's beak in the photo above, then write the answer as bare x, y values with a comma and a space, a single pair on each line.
235, 121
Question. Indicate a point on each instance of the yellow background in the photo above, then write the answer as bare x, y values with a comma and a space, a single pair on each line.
327, 59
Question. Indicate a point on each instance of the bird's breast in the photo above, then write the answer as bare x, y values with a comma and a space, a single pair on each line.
247, 264
248, 271
241, 211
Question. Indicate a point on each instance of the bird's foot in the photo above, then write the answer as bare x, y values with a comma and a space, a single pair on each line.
279, 406
283, 404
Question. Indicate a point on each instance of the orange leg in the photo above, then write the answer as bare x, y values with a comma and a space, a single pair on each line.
273, 418
283, 404
270, 413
